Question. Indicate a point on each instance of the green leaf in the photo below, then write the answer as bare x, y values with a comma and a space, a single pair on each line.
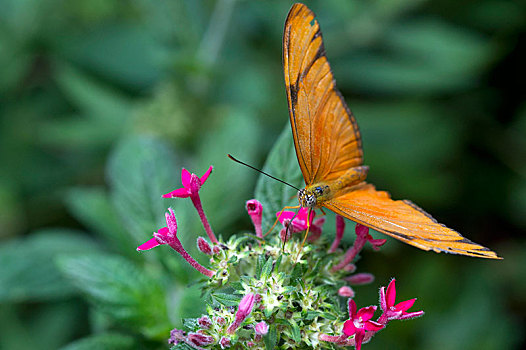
27, 270
271, 339
259, 266
107, 341
283, 164
140, 170
295, 330
94, 209
227, 189
227, 299
121, 290
267, 268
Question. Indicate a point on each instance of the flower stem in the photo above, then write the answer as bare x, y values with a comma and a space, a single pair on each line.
178, 247
199, 207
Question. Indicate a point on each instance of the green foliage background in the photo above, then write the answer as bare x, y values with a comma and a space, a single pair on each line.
103, 101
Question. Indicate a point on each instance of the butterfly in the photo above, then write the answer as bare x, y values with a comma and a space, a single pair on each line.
329, 150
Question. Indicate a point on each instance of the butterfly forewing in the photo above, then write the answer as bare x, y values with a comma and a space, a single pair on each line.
326, 136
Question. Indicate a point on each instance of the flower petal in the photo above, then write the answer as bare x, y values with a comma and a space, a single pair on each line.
358, 338
149, 244
171, 222
373, 326
366, 313
405, 305
361, 229
349, 328
391, 293
351, 306
185, 178
206, 175
179, 193
286, 215
383, 303
409, 315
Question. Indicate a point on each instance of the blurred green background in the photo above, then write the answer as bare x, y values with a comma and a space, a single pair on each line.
103, 101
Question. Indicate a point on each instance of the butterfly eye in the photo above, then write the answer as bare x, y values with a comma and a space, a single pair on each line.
319, 191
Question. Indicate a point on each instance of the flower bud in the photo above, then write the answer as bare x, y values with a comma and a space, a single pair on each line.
360, 278
204, 322
224, 342
261, 328
204, 246
346, 291
200, 339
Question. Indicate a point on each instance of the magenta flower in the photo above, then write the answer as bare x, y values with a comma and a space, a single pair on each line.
168, 235
191, 186
398, 311
359, 322
255, 210
362, 237
204, 246
340, 228
298, 223
244, 309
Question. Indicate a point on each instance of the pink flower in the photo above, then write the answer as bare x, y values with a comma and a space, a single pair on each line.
261, 328
200, 339
168, 235
244, 309
362, 237
191, 186
360, 278
398, 311
298, 222
255, 210
204, 246
340, 228
224, 342
359, 322
346, 291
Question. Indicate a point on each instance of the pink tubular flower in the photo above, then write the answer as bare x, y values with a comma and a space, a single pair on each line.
299, 222
359, 322
255, 210
360, 278
362, 237
346, 291
191, 186
340, 228
245, 308
398, 311
204, 246
168, 235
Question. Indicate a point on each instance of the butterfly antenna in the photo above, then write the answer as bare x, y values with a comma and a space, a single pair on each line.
261, 171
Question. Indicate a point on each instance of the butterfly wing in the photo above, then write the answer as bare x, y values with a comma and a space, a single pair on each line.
326, 136
403, 220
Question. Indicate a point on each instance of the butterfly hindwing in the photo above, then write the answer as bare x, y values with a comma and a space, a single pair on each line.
403, 220
326, 135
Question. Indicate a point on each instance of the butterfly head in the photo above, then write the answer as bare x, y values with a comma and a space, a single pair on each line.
311, 196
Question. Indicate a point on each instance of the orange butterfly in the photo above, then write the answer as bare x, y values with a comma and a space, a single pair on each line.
329, 149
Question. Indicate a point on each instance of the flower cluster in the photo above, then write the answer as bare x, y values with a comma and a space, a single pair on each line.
268, 291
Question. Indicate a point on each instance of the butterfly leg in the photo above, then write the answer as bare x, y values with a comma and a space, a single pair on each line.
277, 219
306, 234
